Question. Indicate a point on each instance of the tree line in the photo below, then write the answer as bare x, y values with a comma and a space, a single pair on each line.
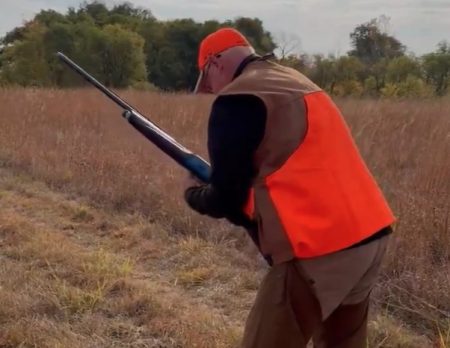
127, 47
378, 65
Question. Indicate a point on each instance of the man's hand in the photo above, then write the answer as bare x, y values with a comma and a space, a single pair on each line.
191, 181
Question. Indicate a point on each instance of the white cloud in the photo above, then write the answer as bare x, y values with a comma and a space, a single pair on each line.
323, 25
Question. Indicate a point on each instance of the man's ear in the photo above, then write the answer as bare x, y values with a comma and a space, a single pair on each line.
216, 60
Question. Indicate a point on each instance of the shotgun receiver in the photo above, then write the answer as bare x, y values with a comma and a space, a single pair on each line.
190, 161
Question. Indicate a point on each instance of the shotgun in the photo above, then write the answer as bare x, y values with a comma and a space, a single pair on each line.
187, 159
196, 165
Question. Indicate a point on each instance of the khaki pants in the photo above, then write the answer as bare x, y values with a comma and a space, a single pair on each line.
324, 298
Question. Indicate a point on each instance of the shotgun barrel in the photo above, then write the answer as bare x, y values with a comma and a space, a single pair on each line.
184, 157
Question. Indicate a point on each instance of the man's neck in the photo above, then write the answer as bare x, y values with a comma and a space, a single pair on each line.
246, 61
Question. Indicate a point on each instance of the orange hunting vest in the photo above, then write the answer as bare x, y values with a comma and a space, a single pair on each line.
313, 193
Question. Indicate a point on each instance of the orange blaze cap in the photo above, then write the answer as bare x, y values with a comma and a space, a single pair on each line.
219, 41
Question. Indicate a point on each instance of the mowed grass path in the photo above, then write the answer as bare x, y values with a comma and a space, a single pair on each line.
77, 276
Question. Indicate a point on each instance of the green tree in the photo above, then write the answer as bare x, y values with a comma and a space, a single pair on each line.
25, 62
50, 17
130, 17
123, 56
15, 35
348, 68
127, 9
375, 48
88, 50
436, 67
173, 57
412, 86
370, 86
183, 36
400, 68
97, 10
111, 43
253, 29
347, 75
339, 76
324, 72
113, 54
154, 38
60, 37
209, 27
348, 88
371, 44
124, 46
302, 62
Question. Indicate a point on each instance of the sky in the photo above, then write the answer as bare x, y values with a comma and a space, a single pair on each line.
319, 26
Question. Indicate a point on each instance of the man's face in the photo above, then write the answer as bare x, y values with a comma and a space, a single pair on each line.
214, 77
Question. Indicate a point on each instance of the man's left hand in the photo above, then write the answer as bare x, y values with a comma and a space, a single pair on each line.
191, 181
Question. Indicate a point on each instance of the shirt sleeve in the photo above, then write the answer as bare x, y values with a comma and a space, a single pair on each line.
236, 128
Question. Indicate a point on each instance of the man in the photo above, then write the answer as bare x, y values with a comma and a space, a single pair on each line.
284, 165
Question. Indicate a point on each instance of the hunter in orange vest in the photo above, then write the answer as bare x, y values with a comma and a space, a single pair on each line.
284, 164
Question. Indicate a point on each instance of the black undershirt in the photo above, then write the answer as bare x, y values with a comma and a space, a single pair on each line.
236, 128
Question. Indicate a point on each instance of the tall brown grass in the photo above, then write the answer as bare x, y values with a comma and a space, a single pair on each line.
77, 142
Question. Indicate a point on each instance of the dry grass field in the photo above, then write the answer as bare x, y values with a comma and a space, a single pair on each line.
97, 248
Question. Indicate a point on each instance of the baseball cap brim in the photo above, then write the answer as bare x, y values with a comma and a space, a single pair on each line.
201, 86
